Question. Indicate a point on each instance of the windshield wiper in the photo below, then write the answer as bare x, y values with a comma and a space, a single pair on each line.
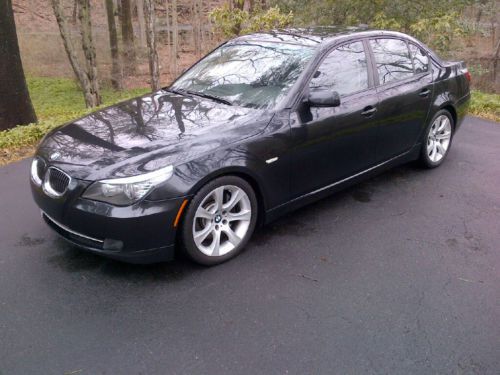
178, 92
209, 96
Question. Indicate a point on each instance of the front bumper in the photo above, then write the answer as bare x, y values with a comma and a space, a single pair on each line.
141, 233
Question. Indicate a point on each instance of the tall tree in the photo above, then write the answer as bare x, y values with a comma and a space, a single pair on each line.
154, 70
15, 102
129, 56
141, 22
196, 10
92, 97
175, 40
116, 68
89, 48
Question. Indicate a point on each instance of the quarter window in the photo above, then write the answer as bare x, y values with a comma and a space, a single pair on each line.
419, 58
393, 60
344, 70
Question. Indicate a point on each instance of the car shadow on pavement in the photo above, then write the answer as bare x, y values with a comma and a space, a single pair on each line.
74, 260
71, 259
301, 221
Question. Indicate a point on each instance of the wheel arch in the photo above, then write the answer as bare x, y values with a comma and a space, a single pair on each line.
245, 174
452, 110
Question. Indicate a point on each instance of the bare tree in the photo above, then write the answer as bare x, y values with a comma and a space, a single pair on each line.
15, 102
141, 22
89, 48
116, 68
175, 40
154, 70
92, 97
129, 56
197, 26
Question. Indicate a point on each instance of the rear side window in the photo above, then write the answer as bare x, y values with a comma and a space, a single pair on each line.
344, 70
393, 60
419, 58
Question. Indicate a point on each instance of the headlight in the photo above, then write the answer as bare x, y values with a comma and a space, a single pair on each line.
127, 190
37, 167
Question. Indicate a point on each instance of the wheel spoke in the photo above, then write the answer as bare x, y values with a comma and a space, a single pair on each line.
430, 146
432, 155
443, 136
215, 245
219, 197
440, 148
203, 213
442, 124
236, 196
244, 215
201, 235
231, 236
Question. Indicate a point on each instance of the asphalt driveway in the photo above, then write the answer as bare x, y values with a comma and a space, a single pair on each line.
399, 275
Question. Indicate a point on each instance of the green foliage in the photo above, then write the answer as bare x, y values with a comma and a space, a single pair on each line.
56, 101
438, 31
232, 22
434, 22
485, 105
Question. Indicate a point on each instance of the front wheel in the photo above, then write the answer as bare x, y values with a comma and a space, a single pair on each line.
437, 140
220, 220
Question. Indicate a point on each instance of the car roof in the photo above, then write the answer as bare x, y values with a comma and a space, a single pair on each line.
317, 36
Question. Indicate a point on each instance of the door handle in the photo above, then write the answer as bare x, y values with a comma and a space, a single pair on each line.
424, 93
369, 111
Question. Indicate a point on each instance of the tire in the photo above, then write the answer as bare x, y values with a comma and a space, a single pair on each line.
220, 220
437, 140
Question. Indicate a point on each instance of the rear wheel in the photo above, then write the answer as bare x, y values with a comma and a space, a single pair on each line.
437, 140
220, 220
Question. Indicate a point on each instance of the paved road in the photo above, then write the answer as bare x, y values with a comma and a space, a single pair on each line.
399, 275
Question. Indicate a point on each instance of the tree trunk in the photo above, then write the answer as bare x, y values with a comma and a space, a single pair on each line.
116, 68
167, 19
129, 57
496, 57
154, 70
15, 102
89, 49
197, 27
175, 41
90, 100
142, 26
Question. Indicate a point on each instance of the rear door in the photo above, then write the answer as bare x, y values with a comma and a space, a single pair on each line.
333, 143
404, 80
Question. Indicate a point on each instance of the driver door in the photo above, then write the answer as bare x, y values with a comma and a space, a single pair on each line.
333, 143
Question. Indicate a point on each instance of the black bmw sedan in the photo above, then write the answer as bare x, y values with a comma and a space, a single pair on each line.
262, 125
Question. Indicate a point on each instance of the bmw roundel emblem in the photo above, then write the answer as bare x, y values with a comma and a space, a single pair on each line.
55, 155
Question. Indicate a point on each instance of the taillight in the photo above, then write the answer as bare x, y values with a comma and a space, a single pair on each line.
468, 76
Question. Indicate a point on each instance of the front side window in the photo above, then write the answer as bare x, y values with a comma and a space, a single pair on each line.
393, 60
256, 75
344, 70
419, 58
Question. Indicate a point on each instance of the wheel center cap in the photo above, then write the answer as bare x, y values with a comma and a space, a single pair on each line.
217, 218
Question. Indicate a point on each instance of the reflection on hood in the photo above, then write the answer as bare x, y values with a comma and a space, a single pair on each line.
162, 123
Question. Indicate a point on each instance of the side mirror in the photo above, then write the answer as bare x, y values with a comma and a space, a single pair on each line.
323, 98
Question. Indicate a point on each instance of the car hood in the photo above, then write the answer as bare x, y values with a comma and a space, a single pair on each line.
146, 133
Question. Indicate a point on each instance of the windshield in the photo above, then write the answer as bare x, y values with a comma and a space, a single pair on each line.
248, 75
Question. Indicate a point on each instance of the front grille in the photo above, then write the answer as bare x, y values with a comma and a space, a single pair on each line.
58, 180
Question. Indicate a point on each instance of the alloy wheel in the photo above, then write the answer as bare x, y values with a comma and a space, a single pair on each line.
222, 220
438, 140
